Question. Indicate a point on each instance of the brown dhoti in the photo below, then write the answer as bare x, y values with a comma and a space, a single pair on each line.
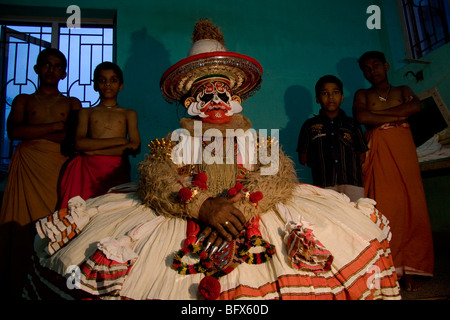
30, 194
392, 178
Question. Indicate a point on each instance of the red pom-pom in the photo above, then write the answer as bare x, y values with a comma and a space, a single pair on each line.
185, 194
200, 184
232, 192
239, 186
202, 177
256, 196
209, 288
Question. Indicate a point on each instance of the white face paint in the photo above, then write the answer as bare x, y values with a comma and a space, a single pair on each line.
214, 103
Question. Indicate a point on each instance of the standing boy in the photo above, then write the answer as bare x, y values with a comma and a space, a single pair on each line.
40, 120
332, 143
106, 134
391, 171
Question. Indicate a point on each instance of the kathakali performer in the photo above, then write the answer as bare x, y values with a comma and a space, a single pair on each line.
218, 212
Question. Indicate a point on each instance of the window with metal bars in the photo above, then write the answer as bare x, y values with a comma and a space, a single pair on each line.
20, 45
428, 25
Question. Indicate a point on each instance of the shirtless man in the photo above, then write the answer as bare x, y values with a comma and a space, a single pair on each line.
383, 103
106, 134
41, 121
43, 114
391, 171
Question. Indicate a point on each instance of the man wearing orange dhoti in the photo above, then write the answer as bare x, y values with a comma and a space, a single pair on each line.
391, 170
41, 122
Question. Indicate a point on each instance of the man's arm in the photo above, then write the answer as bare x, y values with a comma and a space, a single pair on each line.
371, 118
129, 146
304, 139
410, 105
19, 129
134, 137
68, 144
75, 104
91, 145
303, 158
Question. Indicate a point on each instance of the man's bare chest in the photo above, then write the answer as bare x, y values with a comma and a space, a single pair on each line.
107, 124
377, 102
47, 110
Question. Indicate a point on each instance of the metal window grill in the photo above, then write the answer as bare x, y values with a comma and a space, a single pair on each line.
20, 45
84, 48
427, 22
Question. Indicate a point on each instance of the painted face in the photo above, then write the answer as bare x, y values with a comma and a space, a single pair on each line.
214, 102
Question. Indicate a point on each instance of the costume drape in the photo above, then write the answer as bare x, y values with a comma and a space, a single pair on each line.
316, 244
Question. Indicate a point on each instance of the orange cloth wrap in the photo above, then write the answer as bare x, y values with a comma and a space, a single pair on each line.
392, 178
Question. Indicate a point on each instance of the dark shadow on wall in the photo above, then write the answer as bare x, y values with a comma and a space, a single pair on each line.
298, 103
353, 80
147, 62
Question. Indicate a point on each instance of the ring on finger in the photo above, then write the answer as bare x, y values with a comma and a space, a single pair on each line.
227, 223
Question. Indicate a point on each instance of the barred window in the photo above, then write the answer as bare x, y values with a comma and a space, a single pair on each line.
427, 23
20, 44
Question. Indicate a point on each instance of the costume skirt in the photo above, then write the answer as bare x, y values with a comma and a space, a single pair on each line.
349, 257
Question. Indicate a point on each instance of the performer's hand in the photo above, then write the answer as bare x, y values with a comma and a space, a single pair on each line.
222, 216
211, 240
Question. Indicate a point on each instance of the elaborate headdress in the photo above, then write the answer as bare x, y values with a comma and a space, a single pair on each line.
209, 58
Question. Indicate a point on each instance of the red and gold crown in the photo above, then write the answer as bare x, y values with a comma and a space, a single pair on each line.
207, 58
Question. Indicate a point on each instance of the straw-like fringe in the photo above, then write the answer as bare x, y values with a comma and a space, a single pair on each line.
205, 29
160, 182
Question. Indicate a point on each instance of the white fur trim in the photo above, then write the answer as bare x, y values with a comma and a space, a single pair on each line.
204, 46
